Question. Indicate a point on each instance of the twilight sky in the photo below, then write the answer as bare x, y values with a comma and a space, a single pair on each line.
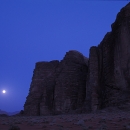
43, 30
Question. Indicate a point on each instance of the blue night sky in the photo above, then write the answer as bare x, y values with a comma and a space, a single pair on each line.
43, 30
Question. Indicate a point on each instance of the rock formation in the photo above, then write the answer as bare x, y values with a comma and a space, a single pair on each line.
58, 87
77, 84
109, 66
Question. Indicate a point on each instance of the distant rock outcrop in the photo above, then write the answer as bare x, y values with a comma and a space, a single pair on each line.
21, 113
77, 84
8, 113
3, 112
3, 115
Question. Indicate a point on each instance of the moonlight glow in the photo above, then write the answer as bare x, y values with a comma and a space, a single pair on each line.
4, 91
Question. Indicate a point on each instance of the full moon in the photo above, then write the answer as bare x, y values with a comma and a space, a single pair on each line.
4, 91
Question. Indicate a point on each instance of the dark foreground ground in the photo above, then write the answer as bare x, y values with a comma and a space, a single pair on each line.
101, 120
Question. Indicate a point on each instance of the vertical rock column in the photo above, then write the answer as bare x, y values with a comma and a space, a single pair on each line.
40, 98
71, 83
93, 80
31, 106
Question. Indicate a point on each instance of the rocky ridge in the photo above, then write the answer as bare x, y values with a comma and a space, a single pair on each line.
78, 84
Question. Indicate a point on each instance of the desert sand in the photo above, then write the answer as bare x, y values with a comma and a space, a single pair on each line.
103, 120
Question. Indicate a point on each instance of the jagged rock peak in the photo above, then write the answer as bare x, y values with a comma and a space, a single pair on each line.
76, 57
121, 16
57, 87
126, 10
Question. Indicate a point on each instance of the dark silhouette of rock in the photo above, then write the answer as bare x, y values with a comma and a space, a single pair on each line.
13, 113
41, 90
3, 112
109, 67
58, 87
77, 84
70, 84
21, 112
8, 113
3, 115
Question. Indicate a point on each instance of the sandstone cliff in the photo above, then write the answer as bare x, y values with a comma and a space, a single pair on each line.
77, 84
109, 66
58, 87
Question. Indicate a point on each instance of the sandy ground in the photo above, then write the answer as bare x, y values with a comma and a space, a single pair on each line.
95, 121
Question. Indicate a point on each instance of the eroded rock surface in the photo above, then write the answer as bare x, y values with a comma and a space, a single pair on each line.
109, 67
77, 84
58, 87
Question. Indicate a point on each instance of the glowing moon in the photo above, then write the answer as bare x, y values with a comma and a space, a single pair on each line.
4, 91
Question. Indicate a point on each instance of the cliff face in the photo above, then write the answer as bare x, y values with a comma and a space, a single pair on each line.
109, 66
41, 90
77, 84
71, 83
58, 87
